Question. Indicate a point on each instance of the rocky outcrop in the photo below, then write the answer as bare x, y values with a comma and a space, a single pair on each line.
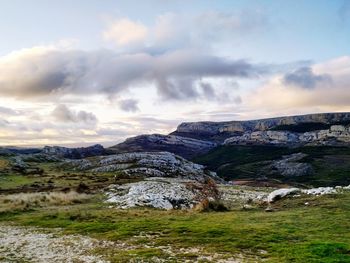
144, 164
290, 166
74, 153
336, 135
185, 147
219, 130
162, 193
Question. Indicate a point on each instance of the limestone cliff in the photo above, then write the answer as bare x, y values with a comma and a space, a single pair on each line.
219, 131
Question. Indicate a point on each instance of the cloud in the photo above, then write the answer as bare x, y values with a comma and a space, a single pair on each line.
279, 93
54, 72
171, 31
8, 111
63, 114
129, 105
304, 77
125, 32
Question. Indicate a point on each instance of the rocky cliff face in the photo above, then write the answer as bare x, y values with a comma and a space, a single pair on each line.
185, 147
336, 135
219, 130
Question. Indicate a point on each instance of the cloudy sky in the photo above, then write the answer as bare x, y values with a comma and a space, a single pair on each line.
98, 71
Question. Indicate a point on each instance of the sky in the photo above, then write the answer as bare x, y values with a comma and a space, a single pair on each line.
81, 72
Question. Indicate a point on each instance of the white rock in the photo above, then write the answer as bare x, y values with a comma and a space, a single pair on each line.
162, 193
280, 193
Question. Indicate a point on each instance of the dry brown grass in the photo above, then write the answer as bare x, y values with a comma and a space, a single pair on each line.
29, 200
4, 163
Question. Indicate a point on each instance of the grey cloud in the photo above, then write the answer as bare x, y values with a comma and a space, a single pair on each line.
54, 73
129, 105
305, 78
208, 90
63, 114
8, 111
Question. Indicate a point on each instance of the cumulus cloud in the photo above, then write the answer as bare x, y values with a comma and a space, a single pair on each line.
54, 72
125, 32
63, 114
129, 105
304, 77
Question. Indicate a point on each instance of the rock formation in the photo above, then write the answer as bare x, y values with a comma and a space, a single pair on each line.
162, 193
220, 130
74, 153
336, 135
144, 164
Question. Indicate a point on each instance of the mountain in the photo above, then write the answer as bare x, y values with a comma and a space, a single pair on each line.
219, 131
74, 153
185, 147
192, 139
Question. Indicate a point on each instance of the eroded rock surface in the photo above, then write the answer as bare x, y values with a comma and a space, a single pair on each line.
144, 164
290, 166
336, 135
162, 193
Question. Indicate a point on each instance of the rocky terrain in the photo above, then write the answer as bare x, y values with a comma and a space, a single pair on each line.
144, 164
336, 135
19, 244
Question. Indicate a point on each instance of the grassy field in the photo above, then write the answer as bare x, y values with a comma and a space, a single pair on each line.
295, 232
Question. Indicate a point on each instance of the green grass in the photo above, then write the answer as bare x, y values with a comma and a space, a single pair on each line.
318, 232
14, 181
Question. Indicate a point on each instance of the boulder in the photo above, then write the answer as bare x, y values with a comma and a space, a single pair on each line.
161, 193
280, 193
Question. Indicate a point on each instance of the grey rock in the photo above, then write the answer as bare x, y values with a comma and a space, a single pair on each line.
74, 153
162, 193
290, 167
145, 164
336, 135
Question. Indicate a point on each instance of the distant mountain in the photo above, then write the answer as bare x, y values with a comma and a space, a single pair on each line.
219, 131
185, 147
75, 153
192, 139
